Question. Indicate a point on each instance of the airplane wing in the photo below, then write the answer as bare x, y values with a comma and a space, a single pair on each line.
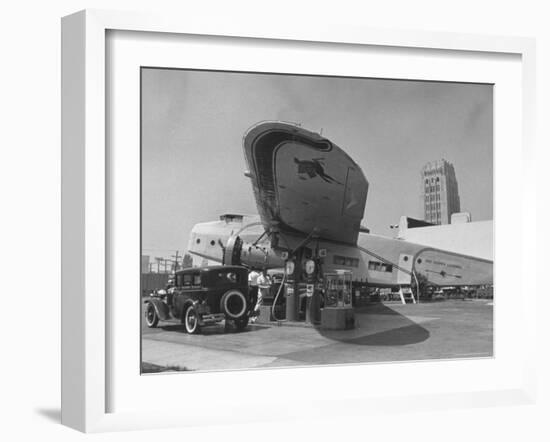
303, 183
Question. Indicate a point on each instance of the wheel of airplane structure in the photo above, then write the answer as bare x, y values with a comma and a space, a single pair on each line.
151, 317
191, 320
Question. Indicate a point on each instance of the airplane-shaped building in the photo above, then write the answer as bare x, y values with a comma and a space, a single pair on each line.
311, 198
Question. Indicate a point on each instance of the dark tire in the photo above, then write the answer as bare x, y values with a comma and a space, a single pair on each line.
241, 323
191, 320
151, 317
233, 304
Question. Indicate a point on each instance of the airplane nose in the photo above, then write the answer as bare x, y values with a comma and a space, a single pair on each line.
207, 240
191, 241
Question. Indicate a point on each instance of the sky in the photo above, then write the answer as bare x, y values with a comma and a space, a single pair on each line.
193, 161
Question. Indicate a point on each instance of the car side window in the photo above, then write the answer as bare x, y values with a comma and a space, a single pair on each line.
197, 279
187, 279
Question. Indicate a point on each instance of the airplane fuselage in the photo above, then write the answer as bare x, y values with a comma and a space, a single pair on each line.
376, 260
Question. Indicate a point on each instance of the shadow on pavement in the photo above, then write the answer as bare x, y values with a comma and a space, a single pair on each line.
410, 334
383, 325
216, 329
378, 308
173, 327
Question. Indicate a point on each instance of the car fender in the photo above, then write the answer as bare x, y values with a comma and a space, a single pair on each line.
163, 312
182, 304
189, 302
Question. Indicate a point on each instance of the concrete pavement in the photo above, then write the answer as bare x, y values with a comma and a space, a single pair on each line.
396, 332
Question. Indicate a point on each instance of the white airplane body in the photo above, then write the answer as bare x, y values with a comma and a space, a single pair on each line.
378, 260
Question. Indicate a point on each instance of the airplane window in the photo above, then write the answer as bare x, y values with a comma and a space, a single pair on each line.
373, 265
212, 242
198, 240
380, 267
344, 261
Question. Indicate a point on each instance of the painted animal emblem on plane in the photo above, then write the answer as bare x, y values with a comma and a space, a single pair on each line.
313, 168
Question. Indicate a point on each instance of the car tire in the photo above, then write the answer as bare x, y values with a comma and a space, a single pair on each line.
151, 317
191, 320
241, 323
242, 304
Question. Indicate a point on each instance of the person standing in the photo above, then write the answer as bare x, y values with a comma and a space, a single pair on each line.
253, 290
264, 284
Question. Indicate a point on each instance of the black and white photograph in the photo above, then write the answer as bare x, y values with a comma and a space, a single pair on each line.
301, 220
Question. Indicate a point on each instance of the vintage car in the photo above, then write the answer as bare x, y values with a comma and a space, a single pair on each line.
203, 296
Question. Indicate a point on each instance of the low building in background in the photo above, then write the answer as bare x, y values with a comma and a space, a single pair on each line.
466, 238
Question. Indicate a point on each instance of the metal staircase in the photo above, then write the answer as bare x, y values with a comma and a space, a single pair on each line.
406, 294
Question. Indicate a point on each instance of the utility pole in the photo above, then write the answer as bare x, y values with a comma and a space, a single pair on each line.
158, 259
176, 260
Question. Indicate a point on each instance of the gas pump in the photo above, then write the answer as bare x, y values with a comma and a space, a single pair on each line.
313, 286
337, 313
303, 286
291, 294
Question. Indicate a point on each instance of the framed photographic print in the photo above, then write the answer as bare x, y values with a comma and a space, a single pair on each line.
315, 214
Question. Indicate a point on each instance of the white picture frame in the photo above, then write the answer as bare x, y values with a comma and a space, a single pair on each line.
85, 203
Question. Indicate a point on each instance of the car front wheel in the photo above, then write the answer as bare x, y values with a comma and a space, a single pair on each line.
151, 317
191, 320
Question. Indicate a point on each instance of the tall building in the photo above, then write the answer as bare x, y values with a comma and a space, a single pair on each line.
440, 191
